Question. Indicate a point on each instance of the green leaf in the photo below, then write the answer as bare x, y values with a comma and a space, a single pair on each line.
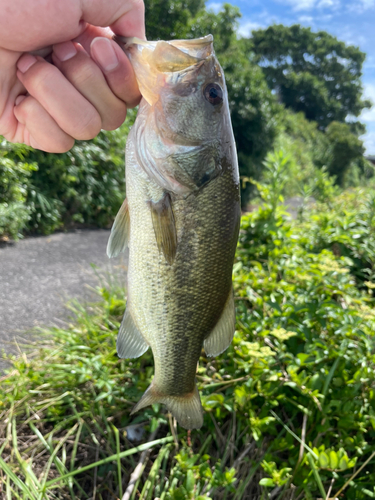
190, 481
344, 463
333, 459
323, 460
267, 481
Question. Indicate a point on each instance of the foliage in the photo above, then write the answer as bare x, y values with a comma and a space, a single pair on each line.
304, 145
289, 407
344, 147
86, 185
14, 178
311, 72
167, 19
345, 225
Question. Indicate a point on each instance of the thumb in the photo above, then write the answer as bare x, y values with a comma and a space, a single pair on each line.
125, 17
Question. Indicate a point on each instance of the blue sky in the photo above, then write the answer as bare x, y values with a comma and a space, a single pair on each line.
352, 21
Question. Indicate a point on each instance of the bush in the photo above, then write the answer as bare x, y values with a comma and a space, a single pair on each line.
345, 225
343, 148
14, 180
85, 186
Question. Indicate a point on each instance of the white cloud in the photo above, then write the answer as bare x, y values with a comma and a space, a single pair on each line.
215, 6
368, 115
369, 142
299, 5
367, 4
360, 6
305, 19
246, 27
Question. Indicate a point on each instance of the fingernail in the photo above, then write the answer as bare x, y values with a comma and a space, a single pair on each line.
19, 99
25, 62
64, 51
104, 54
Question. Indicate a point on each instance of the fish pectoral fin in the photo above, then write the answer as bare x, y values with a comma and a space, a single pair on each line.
164, 227
187, 409
119, 238
130, 341
222, 335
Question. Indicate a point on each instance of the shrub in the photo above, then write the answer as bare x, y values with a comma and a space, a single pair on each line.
85, 186
14, 180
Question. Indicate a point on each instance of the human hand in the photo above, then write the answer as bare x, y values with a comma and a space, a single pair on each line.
85, 86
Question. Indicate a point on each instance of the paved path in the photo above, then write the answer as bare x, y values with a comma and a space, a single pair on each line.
38, 276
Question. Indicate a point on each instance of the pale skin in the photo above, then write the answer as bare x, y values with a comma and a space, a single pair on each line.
85, 85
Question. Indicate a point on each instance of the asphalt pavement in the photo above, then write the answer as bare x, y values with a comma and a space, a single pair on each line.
39, 275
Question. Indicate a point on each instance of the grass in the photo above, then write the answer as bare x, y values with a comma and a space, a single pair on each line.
289, 407
65, 421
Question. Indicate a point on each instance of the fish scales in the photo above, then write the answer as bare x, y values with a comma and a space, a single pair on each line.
177, 297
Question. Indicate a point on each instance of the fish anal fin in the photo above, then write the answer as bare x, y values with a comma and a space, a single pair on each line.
164, 227
187, 409
130, 341
119, 238
222, 335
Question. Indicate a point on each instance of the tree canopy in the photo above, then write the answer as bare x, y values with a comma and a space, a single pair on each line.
168, 19
311, 72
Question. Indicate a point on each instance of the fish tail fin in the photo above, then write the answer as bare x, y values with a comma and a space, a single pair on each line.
186, 409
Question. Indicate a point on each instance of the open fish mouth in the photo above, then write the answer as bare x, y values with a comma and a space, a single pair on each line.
196, 47
152, 59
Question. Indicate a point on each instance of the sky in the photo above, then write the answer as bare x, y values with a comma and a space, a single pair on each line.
352, 21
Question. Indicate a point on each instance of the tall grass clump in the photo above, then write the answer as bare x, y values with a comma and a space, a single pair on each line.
289, 407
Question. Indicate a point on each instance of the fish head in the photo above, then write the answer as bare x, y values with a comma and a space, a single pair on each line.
183, 80
189, 135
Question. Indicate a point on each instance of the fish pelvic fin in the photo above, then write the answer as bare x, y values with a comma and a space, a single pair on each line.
119, 238
130, 341
222, 335
187, 409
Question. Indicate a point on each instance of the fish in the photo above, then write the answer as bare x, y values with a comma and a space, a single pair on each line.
180, 219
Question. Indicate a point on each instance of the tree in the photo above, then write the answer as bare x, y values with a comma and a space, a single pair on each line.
343, 149
311, 72
168, 19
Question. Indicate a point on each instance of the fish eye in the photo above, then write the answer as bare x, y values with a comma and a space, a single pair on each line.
213, 93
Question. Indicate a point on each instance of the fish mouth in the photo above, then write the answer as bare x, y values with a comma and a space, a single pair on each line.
151, 59
199, 48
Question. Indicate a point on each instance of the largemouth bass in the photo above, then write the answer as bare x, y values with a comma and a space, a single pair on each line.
180, 219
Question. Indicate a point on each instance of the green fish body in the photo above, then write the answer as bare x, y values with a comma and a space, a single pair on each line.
180, 220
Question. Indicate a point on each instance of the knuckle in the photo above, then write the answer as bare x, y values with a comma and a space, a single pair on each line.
26, 108
115, 120
39, 79
88, 126
66, 143
84, 75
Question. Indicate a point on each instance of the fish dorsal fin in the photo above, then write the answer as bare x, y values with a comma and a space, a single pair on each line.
119, 238
130, 341
164, 227
187, 409
222, 335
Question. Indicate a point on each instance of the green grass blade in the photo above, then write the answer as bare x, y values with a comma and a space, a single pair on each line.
118, 451
294, 435
113, 458
317, 477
